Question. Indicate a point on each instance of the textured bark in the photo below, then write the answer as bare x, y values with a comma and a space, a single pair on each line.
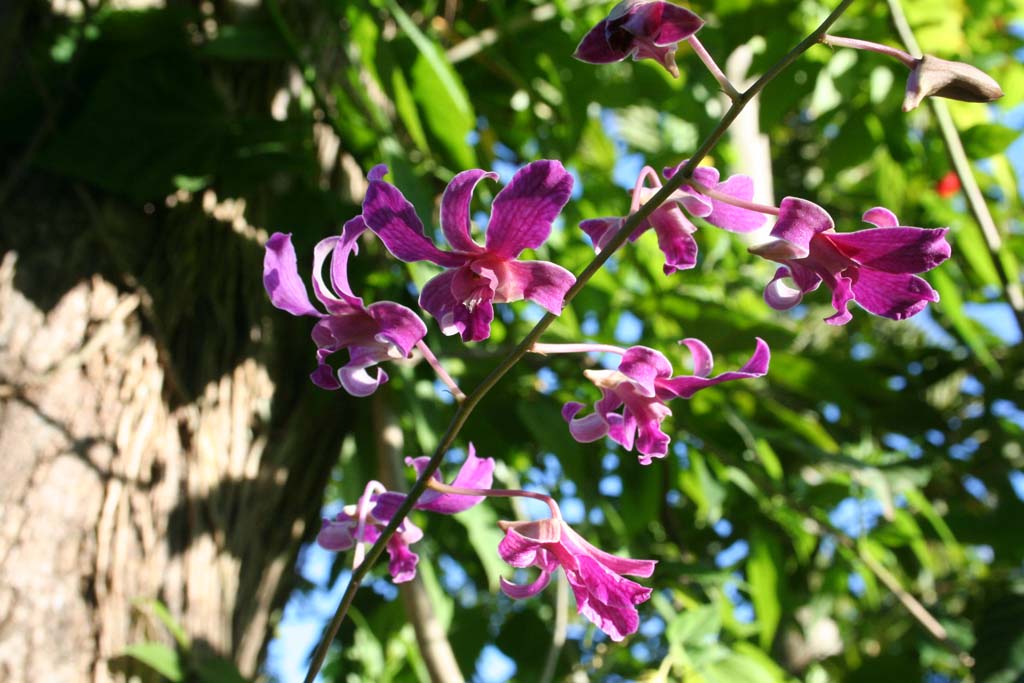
144, 451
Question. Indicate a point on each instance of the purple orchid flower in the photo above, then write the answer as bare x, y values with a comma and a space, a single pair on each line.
641, 386
371, 334
640, 29
475, 473
477, 276
670, 224
379, 507
343, 532
874, 267
602, 594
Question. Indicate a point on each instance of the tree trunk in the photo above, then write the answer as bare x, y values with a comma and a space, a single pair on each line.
146, 454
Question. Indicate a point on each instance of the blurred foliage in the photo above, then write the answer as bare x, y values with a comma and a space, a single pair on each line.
877, 444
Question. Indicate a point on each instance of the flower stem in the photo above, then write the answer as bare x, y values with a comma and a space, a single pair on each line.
467, 407
548, 349
442, 374
727, 87
497, 493
899, 55
727, 199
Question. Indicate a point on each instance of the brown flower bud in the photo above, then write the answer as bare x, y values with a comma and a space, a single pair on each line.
954, 80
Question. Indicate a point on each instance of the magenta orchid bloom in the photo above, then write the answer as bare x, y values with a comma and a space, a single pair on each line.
371, 334
640, 29
477, 276
379, 507
343, 533
475, 473
641, 386
602, 594
670, 224
874, 267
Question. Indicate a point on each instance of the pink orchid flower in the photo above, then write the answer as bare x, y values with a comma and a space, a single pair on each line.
642, 386
478, 276
381, 331
641, 29
669, 222
873, 267
603, 595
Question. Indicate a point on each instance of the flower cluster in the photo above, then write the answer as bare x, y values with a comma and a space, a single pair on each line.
876, 268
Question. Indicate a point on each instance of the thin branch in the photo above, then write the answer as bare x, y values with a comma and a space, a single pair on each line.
913, 606
962, 166
476, 396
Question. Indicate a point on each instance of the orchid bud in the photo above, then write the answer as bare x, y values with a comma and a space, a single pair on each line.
954, 80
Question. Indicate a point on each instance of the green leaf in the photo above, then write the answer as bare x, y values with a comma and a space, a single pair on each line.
763, 572
159, 657
988, 139
481, 523
439, 92
952, 305
405, 105
218, 670
160, 611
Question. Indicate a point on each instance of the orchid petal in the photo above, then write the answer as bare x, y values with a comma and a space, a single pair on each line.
539, 281
397, 326
675, 238
799, 220
895, 249
842, 295
281, 277
734, 218
523, 211
518, 591
651, 441
324, 377
386, 505
349, 245
455, 222
390, 215
402, 564
336, 535
358, 382
437, 299
601, 230
687, 386
622, 428
594, 48
475, 473
474, 323
644, 365
668, 23
779, 295
584, 429
616, 621
881, 217
895, 296
703, 361
619, 565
